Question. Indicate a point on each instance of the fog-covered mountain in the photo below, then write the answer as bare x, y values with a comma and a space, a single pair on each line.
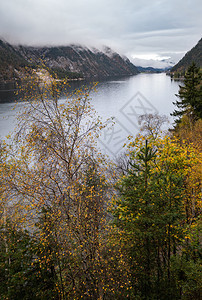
160, 64
72, 61
11, 61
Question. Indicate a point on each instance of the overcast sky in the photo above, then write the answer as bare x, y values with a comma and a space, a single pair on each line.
147, 29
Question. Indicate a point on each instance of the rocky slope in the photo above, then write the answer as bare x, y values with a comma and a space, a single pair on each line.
194, 55
72, 61
11, 61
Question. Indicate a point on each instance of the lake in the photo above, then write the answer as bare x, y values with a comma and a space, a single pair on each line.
124, 99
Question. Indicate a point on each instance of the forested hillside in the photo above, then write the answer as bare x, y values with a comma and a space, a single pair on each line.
194, 55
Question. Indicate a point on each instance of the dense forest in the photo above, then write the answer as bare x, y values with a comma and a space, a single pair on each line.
75, 225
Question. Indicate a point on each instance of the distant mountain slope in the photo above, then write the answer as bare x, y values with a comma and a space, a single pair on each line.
79, 59
151, 69
194, 55
10, 59
65, 61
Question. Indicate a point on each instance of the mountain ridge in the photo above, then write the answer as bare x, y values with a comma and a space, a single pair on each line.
152, 69
194, 55
78, 60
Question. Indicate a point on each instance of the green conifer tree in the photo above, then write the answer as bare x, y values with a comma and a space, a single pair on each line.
150, 213
190, 95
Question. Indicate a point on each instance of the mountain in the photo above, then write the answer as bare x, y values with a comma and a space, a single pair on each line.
10, 60
72, 61
151, 69
194, 55
157, 64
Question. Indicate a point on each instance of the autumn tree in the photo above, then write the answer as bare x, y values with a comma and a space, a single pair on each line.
58, 179
151, 125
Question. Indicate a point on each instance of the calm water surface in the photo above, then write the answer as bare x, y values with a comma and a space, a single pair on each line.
124, 99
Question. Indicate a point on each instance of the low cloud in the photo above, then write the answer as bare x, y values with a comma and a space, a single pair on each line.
131, 27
